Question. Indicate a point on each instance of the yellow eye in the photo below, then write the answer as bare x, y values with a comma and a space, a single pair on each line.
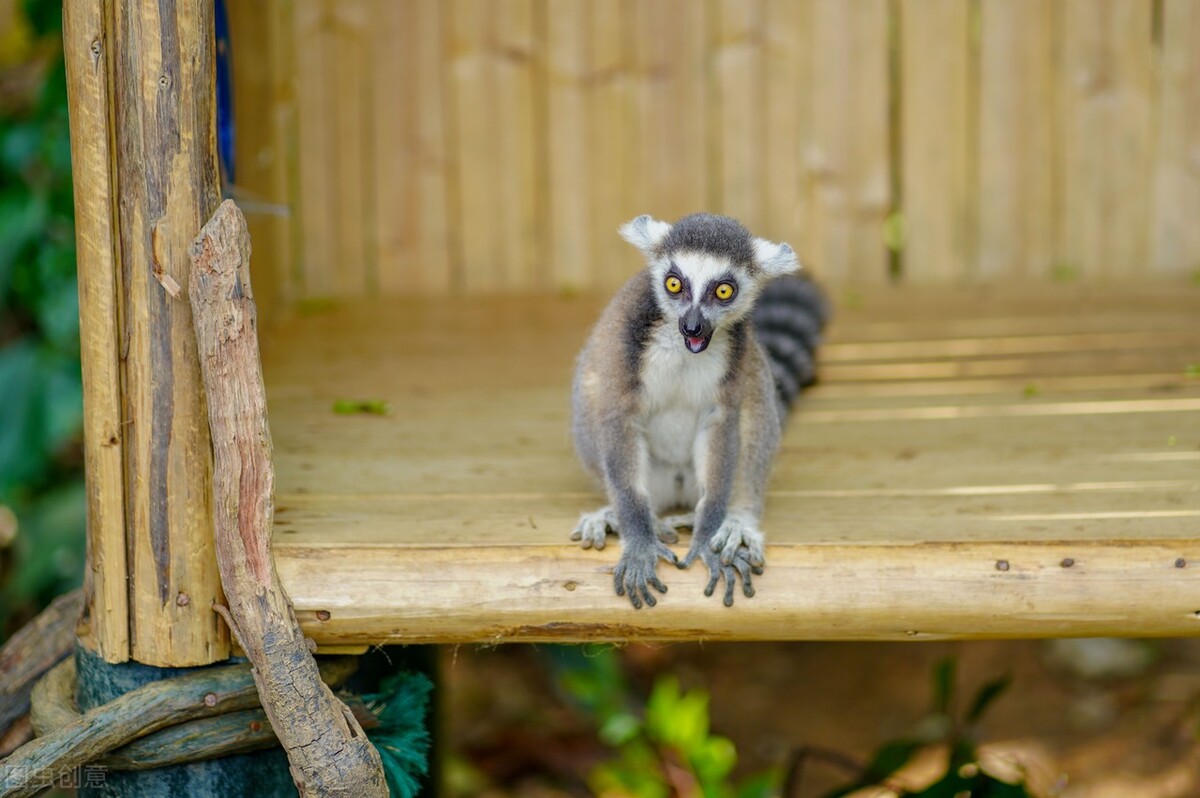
673, 285
724, 291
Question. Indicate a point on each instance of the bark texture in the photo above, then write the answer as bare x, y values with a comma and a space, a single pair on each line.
329, 753
33, 650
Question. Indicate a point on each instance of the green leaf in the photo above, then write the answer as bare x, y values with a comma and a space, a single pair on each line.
714, 759
619, 728
890, 757
675, 719
895, 231
49, 549
350, 407
23, 450
986, 695
763, 785
943, 686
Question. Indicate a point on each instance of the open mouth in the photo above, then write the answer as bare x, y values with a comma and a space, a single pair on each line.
696, 345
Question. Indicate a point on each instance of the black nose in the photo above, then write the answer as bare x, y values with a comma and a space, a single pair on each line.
691, 323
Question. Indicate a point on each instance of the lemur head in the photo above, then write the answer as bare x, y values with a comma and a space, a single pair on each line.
706, 270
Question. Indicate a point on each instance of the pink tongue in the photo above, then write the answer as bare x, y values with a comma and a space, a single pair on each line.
695, 343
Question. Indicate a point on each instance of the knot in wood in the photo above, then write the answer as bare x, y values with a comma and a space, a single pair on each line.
210, 699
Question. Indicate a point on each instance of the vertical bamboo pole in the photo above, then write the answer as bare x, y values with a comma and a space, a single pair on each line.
87, 42
146, 190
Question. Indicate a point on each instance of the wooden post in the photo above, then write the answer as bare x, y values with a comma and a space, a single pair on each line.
141, 79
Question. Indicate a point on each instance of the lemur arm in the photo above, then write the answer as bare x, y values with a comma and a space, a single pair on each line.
623, 461
719, 449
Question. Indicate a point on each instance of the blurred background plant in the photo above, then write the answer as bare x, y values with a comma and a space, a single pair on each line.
41, 482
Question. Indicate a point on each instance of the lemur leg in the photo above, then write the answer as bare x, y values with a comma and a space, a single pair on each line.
716, 457
593, 529
625, 467
739, 534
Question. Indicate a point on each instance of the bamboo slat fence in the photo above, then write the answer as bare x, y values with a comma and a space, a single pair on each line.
495, 145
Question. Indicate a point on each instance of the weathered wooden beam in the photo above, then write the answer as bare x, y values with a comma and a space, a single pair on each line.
88, 47
37, 647
328, 751
141, 90
234, 732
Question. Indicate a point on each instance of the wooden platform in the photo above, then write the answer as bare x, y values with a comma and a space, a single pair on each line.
974, 464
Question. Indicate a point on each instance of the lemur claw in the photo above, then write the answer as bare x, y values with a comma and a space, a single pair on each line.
738, 533
739, 565
636, 572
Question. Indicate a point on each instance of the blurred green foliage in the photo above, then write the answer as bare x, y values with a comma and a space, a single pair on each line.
958, 733
661, 748
40, 385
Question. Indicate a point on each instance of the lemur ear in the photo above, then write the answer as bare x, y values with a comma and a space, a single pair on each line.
774, 259
645, 233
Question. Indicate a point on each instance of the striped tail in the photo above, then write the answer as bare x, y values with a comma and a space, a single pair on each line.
788, 319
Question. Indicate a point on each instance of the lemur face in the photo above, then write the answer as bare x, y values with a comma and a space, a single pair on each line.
706, 270
704, 292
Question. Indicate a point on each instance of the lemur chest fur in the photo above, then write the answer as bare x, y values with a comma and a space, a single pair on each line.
680, 393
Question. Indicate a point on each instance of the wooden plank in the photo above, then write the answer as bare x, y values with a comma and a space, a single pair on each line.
1176, 242
848, 591
611, 101
668, 48
472, 95
88, 42
849, 158
1109, 105
166, 178
350, 80
936, 140
787, 123
569, 126
739, 118
433, 175
473, 476
262, 105
395, 160
408, 159
1018, 129
316, 161
514, 51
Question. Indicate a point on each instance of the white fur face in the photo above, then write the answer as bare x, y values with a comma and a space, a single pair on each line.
706, 290
700, 274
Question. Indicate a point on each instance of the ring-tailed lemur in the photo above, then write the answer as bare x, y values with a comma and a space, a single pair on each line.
681, 392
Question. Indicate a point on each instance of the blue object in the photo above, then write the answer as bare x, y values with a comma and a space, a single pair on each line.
225, 137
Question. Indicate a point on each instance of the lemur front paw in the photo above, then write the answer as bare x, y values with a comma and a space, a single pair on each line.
738, 532
593, 528
739, 564
636, 571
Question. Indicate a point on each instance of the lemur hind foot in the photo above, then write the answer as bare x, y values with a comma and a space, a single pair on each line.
593, 528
